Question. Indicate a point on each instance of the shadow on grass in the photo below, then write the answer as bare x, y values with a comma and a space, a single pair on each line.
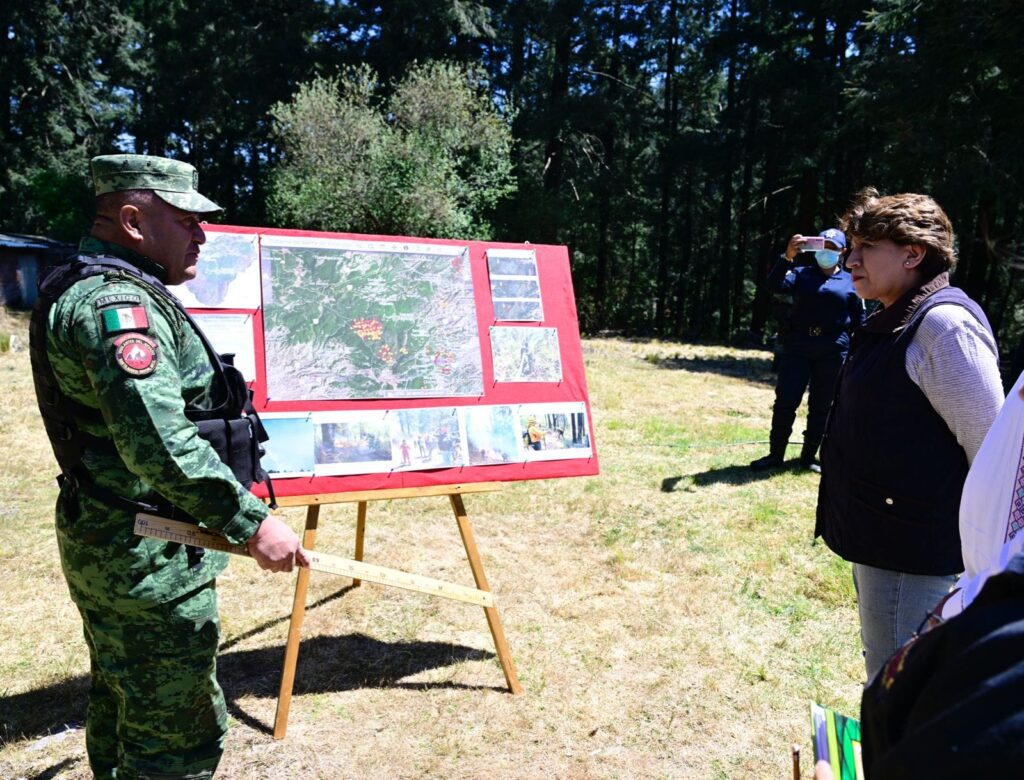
225, 646
43, 711
732, 475
753, 369
53, 771
326, 664
329, 664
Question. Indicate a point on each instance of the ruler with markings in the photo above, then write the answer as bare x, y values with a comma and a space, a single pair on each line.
186, 533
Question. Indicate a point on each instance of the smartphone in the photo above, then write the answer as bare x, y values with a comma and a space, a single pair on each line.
812, 243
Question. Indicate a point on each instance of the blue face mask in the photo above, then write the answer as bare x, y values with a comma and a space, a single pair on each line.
826, 258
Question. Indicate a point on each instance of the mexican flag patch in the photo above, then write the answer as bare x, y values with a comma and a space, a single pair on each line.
116, 320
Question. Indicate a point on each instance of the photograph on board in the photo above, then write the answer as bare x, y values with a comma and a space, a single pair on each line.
427, 438
554, 431
515, 285
515, 288
354, 442
526, 354
228, 274
289, 451
512, 262
518, 311
231, 334
491, 436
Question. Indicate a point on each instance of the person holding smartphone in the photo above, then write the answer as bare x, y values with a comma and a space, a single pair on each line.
825, 310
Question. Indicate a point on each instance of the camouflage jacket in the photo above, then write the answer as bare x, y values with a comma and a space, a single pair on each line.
155, 446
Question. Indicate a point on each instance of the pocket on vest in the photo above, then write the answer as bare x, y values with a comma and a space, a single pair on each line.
902, 533
235, 444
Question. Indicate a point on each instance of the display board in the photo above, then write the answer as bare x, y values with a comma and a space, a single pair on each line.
381, 362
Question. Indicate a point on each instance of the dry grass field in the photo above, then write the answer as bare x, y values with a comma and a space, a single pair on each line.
671, 618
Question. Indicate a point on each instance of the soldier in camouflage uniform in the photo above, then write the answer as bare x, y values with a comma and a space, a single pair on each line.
130, 363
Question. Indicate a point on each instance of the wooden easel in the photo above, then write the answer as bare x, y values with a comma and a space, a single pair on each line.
412, 582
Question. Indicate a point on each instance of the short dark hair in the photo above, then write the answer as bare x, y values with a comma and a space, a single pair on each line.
111, 201
904, 219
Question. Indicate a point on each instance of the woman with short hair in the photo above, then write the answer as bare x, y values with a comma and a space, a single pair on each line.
914, 401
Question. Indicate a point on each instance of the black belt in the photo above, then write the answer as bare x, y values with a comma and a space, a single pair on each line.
815, 330
85, 484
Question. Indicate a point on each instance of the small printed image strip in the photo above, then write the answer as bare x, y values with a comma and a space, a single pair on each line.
518, 311
515, 288
511, 266
515, 285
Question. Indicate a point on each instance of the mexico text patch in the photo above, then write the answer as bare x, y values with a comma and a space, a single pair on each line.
122, 318
109, 300
136, 354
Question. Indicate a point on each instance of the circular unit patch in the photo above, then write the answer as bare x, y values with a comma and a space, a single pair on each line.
136, 354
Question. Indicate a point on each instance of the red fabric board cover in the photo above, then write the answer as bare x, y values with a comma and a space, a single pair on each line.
559, 312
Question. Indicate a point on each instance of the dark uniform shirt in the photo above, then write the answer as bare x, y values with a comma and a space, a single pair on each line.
820, 300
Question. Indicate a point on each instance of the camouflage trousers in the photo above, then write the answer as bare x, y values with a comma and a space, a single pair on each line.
156, 711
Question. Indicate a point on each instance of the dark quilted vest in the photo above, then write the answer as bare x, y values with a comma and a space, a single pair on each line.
892, 471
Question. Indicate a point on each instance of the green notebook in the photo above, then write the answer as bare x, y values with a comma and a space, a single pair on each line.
836, 739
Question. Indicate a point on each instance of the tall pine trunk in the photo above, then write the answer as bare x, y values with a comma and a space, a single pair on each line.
608, 178
669, 128
765, 258
723, 241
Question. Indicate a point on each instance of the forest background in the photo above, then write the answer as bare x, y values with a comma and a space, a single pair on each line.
673, 146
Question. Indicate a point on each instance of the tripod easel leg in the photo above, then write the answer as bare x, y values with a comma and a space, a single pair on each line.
493, 621
360, 532
291, 652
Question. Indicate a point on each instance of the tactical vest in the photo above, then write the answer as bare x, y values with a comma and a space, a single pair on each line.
233, 428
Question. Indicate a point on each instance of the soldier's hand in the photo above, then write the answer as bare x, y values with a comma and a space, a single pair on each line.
275, 546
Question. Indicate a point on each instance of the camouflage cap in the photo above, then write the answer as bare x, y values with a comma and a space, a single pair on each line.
173, 181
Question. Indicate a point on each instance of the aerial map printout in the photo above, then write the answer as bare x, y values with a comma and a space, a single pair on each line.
348, 319
228, 274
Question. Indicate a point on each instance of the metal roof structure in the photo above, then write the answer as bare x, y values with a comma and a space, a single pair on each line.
19, 241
